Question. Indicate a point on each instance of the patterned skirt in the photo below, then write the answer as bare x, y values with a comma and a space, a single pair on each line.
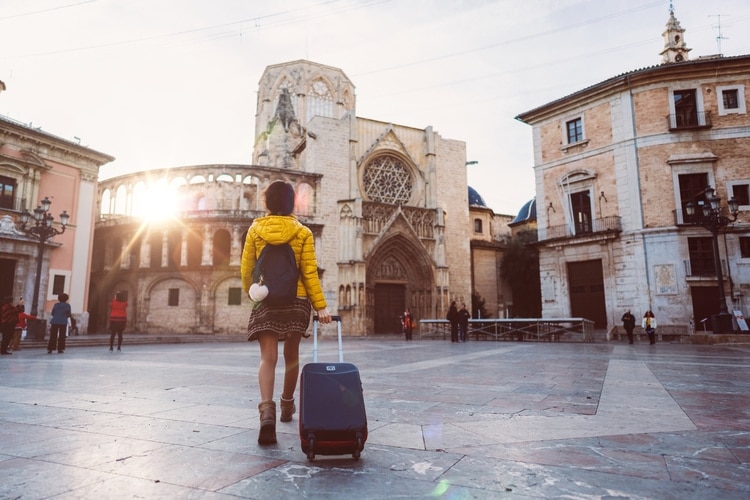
283, 321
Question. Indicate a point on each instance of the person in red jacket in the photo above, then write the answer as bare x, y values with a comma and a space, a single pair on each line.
20, 326
118, 318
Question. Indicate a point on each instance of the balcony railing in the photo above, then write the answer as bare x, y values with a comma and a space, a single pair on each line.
703, 269
605, 225
687, 121
681, 218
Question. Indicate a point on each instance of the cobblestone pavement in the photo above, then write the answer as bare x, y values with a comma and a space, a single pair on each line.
457, 421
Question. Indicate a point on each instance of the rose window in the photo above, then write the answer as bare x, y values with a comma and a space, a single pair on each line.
386, 180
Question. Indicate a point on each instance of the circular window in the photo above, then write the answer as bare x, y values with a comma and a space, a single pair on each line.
387, 180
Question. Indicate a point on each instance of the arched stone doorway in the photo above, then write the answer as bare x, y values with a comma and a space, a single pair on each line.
400, 274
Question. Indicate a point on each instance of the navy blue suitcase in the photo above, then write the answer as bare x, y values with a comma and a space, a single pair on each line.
332, 417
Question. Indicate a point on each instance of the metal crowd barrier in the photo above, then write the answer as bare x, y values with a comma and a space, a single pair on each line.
518, 329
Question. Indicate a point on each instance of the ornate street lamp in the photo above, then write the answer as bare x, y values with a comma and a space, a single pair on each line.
42, 230
712, 219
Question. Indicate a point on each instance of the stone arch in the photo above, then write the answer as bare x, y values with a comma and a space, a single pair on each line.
400, 274
105, 207
221, 247
159, 316
121, 200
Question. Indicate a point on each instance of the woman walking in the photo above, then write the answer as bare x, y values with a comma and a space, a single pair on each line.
270, 324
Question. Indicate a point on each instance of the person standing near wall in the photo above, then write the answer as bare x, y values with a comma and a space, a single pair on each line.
649, 324
628, 322
118, 318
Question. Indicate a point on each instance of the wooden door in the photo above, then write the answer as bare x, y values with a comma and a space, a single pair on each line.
390, 301
586, 285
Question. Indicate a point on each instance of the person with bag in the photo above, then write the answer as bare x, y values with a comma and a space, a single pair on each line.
275, 316
452, 318
649, 324
407, 324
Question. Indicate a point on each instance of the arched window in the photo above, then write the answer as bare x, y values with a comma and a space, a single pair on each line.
140, 202
155, 242
319, 100
174, 249
477, 225
105, 208
194, 249
303, 200
221, 247
121, 201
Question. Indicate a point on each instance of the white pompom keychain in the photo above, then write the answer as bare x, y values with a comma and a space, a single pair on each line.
258, 291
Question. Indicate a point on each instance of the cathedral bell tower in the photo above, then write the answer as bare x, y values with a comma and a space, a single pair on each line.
675, 49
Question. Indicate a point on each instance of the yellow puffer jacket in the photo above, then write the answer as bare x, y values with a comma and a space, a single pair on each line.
278, 229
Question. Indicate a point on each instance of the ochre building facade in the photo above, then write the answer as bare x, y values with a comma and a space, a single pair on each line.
617, 166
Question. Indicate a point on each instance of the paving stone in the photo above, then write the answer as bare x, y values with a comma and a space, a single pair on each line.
473, 420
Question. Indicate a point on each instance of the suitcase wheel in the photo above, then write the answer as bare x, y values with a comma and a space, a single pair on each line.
358, 448
311, 447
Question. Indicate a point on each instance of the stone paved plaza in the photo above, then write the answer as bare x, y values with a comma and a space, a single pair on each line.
456, 421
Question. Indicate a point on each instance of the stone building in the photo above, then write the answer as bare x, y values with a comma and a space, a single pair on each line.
35, 165
388, 205
616, 165
489, 237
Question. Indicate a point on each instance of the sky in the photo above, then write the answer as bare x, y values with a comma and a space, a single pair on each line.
169, 83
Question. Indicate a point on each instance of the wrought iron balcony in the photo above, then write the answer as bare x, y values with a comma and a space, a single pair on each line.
689, 121
605, 225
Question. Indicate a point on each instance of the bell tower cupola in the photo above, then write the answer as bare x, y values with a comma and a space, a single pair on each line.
675, 49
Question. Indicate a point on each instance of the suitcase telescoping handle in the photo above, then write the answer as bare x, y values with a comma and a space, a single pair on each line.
337, 319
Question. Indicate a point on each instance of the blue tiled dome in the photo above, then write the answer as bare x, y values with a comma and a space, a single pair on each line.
475, 199
527, 212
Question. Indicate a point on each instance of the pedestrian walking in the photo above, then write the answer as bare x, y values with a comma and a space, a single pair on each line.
61, 314
628, 322
270, 324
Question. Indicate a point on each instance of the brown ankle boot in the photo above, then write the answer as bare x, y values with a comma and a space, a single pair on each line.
287, 409
267, 434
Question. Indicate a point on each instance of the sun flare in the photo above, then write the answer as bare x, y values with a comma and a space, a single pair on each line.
156, 202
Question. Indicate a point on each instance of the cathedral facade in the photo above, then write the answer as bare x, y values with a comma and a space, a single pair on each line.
388, 205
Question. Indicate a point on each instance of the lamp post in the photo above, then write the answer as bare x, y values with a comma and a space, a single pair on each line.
42, 230
711, 218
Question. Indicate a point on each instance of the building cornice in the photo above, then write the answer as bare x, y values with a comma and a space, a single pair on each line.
708, 68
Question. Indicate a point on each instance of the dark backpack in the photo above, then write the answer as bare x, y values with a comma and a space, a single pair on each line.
277, 269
